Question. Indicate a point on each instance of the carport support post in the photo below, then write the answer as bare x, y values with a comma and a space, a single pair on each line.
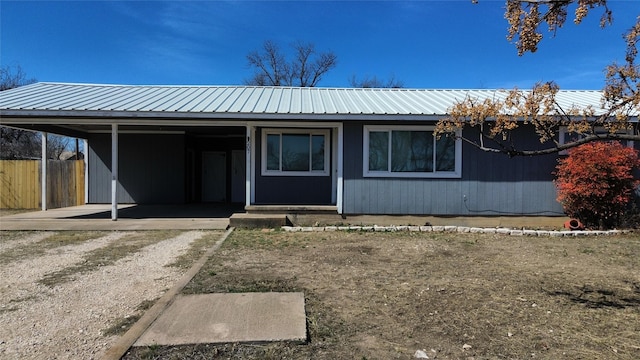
248, 180
114, 172
85, 149
43, 175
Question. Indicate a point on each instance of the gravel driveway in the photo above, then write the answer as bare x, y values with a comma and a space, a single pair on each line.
66, 320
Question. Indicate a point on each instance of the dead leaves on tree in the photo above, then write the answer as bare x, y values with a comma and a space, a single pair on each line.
497, 117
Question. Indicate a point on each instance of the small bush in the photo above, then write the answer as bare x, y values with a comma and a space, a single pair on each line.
595, 182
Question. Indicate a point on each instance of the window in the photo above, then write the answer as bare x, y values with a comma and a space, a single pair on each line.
410, 152
293, 152
567, 137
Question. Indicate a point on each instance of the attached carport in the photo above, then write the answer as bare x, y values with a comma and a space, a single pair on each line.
104, 165
168, 164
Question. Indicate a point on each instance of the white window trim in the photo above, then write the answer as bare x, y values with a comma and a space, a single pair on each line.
280, 131
599, 130
457, 173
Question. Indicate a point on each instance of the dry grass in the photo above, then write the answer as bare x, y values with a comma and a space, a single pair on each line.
196, 250
108, 255
39, 248
122, 325
386, 295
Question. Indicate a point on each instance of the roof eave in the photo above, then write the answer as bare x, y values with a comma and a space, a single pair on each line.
47, 116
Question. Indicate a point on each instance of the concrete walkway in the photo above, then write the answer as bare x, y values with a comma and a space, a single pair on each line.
177, 319
131, 217
226, 318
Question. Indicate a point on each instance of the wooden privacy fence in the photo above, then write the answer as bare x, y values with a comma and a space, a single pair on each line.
21, 189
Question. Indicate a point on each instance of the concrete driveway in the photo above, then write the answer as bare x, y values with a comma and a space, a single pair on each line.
130, 217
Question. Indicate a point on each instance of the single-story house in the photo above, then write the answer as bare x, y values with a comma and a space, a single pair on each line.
352, 151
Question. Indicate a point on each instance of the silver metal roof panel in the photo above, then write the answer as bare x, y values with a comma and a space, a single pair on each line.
220, 101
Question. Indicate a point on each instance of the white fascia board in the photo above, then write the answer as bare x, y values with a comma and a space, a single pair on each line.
85, 115
66, 117
122, 121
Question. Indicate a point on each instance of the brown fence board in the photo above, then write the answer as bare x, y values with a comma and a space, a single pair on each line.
80, 190
20, 184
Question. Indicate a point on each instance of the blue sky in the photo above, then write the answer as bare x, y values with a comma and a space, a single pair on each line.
425, 44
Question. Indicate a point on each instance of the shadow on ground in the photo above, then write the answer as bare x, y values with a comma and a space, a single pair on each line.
197, 211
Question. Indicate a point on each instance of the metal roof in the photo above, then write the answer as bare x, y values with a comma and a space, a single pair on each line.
102, 100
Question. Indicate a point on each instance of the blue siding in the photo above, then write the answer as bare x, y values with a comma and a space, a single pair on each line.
151, 169
289, 190
494, 184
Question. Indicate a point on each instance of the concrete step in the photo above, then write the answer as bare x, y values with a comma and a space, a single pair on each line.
292, 209
257, 221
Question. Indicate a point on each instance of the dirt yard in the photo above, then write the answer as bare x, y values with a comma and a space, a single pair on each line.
434, 295
69, 295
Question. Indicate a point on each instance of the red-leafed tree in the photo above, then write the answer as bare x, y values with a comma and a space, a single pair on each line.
596, 183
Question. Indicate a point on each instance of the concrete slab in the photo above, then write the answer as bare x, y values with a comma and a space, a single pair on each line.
224, 318
108, 225
131, 217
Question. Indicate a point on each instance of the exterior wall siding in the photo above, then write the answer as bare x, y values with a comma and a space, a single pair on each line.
491, 184
289, 190
151, 169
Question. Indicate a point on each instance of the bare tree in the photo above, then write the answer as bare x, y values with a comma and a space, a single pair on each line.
16, 143
375, 82
24, 144
57, 145
306, 68
496, 118
13, 77
19, 144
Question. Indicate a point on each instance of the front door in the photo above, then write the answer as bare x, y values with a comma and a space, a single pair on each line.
214, 176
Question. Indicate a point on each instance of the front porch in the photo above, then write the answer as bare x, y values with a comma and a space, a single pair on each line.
131, 217
220, 217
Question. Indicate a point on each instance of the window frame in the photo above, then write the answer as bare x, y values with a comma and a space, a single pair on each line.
283, 131
367, 129
599, 130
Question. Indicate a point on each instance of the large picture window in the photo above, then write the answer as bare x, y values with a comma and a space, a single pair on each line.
294, 152
565, 136
410, 152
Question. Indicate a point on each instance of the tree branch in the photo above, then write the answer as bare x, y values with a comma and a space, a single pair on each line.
512, 152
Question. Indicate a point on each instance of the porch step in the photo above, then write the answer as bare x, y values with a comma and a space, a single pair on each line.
292, 209
257, 221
